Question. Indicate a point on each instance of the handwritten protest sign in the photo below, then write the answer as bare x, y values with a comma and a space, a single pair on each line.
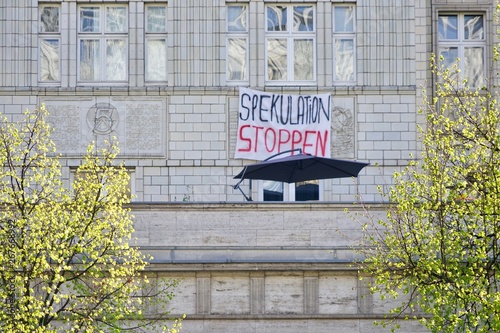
271, 123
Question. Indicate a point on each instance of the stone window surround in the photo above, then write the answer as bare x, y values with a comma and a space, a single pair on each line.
487, 10
344, 35
160, 35
48, 40
103, 36
68, 38
251, 36
291, 36
240, 35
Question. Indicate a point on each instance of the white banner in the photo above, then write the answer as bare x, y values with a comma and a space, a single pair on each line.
271, 123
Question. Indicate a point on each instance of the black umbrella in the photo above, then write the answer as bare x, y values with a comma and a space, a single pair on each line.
300, 167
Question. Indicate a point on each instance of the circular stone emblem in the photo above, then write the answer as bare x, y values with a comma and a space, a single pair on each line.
102, 118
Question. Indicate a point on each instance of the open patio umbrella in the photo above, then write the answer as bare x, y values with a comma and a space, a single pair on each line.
300, 167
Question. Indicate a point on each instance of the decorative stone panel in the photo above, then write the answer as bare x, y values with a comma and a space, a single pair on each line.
139, 125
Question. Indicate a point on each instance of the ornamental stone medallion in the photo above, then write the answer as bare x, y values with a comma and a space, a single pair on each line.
102, 118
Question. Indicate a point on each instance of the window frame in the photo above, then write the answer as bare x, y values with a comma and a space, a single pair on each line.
49, 36
149, 35
102, 36
344, 35
460, 42
290, 36
289, 192
237, 35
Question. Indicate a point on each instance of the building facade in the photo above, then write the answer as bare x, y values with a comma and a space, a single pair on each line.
164, 78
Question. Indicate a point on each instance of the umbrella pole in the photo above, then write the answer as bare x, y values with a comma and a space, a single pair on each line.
250, 188
247, 198
237, 186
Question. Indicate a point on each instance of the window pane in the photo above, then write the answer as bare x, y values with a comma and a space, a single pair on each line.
308, 190
473, 27
344, 18
276, 18
237, 18
49, 60
89, 60
277, 59
344, 60
237, 59
156, 61
448, 27
116, 60
156, 19
303, 62
450, 55
273, 191
89, 19
49, 19
116, 19
474, 66
303, 18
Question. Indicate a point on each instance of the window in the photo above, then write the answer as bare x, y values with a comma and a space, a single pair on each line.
278, 191
156, 43
49, 41
290, 43
344, 44
237, 43
102, 43
462, 36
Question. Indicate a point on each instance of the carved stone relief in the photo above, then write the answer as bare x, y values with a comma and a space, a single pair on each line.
144, 126
138, 125
65, 119
342, 128
102, 118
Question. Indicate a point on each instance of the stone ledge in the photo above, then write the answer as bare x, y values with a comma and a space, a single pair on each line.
253, 267
166, 90
252, 206
165, 255
360, 316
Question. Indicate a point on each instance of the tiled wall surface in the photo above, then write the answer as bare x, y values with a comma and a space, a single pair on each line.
184, 146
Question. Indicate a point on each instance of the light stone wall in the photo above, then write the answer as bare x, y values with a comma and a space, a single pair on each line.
263, 267
386, 33
179, 139
306, 226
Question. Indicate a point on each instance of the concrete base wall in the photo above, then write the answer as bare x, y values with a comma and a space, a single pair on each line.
257, 267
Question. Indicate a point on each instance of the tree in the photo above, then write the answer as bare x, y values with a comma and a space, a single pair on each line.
66, 263
440, 242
